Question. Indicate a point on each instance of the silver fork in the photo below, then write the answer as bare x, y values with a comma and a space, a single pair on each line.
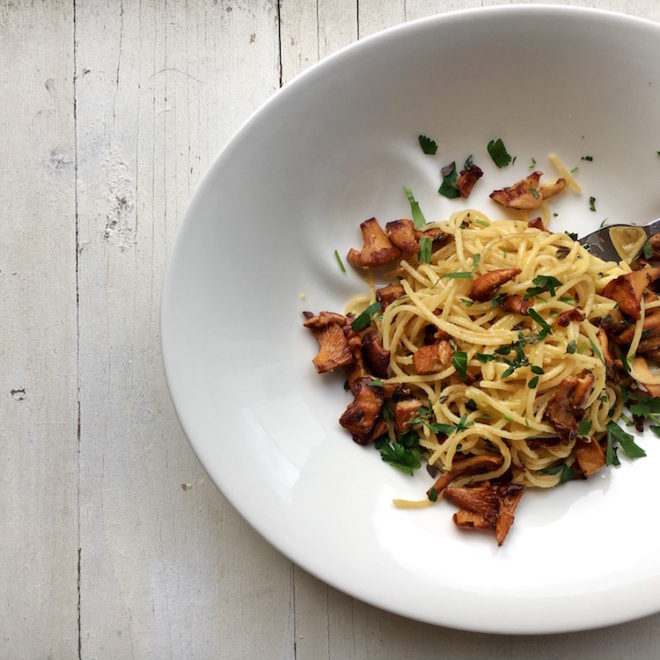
600, 243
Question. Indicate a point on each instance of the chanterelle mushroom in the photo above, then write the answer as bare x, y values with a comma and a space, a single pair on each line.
529, 193
433, 357
467, 179
562, 410
377, 249
363, 412
388, 294
485, 285
334, 349
628, 289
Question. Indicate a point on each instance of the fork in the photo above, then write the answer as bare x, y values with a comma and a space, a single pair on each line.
600, 244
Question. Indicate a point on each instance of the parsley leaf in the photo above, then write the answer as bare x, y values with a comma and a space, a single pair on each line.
449, 177
543, 283
459, 361
625, 440
340, 262
418, 217
498, 153
498, 299
458, 276
364, 319
429, 146
647, 250
592, 204
485, 357
545, 328
584, 428
566, 472
425, 249
403, 458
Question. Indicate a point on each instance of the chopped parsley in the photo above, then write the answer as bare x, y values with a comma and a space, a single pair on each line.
364, 319
467, 302
459, 361
565, 471
399, 456
532, 164
469, 162
465, 275
418, 217
425, 249
647, 250
572, 235
571, 347
376, 382
604, 223
535, 193
429, 146
625, 440
498, 299
448, 429
592, 204
575, 170
485, 357
545, 328
544, 283
585, 428
449, 176
498, 153
340, 262
589, 158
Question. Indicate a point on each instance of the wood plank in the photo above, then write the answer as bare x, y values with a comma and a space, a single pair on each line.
169, 569
38, 397
311, 31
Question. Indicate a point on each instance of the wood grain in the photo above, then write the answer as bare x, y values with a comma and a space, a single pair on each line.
38, 397
168, 567
115, 542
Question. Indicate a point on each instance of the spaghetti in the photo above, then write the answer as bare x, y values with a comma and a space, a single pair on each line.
504, 413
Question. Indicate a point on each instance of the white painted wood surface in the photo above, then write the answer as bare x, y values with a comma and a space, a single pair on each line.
114, 542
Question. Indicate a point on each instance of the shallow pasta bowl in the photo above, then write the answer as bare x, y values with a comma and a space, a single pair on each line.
331, 149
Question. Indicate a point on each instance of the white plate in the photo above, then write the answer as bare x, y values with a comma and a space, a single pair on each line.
331, 149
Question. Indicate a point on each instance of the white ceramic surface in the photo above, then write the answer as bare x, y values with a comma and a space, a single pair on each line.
331, 149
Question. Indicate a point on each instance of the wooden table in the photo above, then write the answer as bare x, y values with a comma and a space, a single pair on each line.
114, 542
